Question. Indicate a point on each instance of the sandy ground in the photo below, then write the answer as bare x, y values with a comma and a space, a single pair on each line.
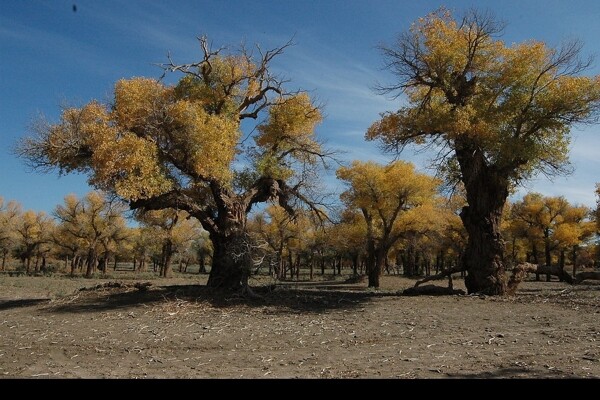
180, 329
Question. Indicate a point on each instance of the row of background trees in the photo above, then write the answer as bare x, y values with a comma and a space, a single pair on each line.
231, 135
393, 220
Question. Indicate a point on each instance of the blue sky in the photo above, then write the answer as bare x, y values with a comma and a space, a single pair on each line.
50, 55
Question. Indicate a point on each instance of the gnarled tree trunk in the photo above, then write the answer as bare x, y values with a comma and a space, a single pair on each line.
167, 255
230, 263
90, 262
372, 271
487, 191
232, 258
375, 265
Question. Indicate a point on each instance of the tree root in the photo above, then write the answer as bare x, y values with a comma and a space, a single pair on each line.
521, 270
247, 293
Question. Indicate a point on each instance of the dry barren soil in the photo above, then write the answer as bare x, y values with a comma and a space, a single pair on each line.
178, 328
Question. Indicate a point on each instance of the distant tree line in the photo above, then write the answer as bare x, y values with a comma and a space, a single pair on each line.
393, 221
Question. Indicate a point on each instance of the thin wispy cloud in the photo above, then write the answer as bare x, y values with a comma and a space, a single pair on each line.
78, 56
71, 52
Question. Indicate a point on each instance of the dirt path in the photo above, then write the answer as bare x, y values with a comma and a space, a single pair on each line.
548, 330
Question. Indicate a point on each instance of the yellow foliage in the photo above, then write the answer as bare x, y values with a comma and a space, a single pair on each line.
139, 103
156, 137
553, 219
206, 142
288, 133
386, 194
515, 103
291, 122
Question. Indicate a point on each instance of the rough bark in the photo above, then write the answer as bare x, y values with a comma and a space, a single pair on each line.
224, 217
165, 270
372, 272
230, 263
487, 190
90, 262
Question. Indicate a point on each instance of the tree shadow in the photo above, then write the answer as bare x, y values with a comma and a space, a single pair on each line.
581, 287
543, 289
510, 373
284, 298
8, 304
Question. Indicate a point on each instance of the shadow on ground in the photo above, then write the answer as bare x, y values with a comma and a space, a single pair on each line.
286, 298
509, 373
8, 304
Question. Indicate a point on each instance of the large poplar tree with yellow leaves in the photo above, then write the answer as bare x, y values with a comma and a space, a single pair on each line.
498, 113
180, 146
393, 199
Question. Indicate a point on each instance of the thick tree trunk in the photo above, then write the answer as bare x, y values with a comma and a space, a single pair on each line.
104, 264
486, 194
202, 266
371, 265
373, 273
483, 255
166, 259
574, 260
230, 263
291, 263
90, 262
376, 266
561, 263
547, 253
74, 265
386, 265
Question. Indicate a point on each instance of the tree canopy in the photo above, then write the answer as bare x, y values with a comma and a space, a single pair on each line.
182, 146
512, 105
496, 113
391, 199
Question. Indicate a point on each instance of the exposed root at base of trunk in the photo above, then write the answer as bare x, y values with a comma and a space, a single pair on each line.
521, 270
247, 292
